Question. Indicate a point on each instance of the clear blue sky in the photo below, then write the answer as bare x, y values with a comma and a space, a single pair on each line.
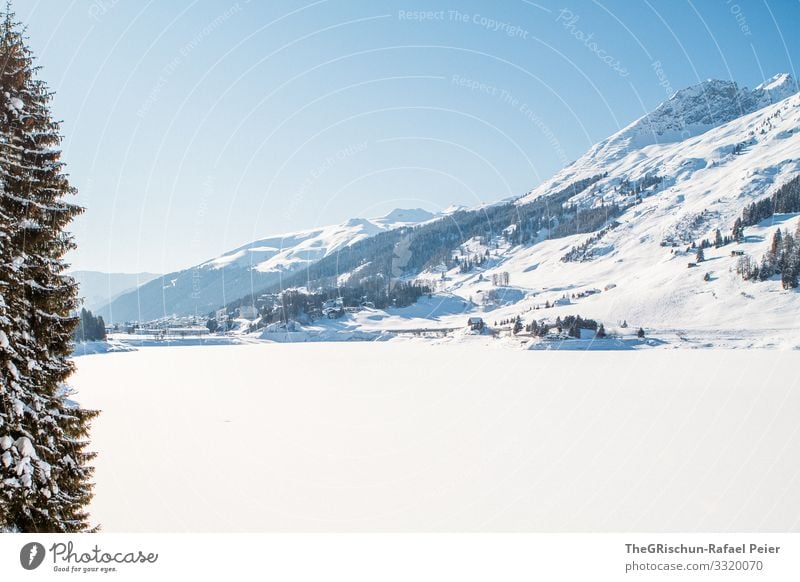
193, 127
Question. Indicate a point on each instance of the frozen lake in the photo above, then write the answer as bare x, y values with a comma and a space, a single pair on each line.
401, 436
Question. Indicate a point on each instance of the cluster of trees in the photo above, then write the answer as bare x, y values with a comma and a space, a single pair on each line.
553, 214
501, 279
45, 477
784, 200
466, 264
583, 251
567, 220
684, 230
90, 327
782, 258
571, 325
577, 221
767, 125
297, 304
637, 187
719, 241
511, 321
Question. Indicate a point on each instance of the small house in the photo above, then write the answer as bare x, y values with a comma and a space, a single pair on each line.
475, 323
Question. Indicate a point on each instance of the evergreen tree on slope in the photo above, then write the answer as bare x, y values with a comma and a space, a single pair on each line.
44, 473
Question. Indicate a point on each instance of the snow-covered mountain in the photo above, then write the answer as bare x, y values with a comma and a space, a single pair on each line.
691, 112
288, 252
717, 116
663, 192
742, 145
247, 269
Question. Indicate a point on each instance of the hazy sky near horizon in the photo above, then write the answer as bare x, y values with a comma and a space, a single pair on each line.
194, 127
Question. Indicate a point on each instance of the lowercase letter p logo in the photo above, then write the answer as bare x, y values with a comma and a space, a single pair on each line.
31, 555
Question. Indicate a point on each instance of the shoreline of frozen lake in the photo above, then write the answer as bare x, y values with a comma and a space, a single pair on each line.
407, 436
691, 339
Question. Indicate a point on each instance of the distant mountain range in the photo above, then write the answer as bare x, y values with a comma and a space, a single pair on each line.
247, 269
98, 289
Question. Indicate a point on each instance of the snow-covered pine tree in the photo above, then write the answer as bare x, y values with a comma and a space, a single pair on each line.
701, 256
776, 245
738, 230
44, 473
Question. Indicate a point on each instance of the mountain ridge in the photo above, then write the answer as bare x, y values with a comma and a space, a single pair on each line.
602, 222
207, 286
692, 111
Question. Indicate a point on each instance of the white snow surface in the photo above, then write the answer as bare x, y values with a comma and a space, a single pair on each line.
405, 436
102, 347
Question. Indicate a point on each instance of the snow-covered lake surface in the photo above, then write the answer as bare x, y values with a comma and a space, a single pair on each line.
410, 436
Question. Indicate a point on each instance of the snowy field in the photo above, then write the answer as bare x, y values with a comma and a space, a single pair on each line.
406, 435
